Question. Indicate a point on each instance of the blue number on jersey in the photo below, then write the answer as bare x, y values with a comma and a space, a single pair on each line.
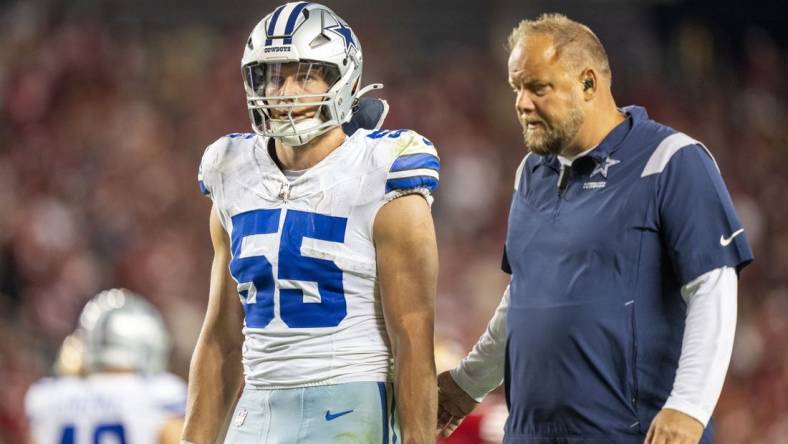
255, 274
240, 135
109, 430
381, 133
115, 430
67, 435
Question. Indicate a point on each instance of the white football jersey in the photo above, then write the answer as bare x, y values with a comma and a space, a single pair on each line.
303, 253
104, 408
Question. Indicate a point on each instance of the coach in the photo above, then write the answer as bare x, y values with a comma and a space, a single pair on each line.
624, 250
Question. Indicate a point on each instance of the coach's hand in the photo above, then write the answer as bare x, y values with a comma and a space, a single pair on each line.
673, 427
453, 404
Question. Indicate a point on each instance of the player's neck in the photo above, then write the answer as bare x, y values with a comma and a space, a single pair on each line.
310, 154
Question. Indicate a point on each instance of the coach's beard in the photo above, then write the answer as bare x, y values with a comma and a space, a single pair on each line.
552, 140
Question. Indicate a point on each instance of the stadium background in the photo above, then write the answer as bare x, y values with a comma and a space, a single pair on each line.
106, 106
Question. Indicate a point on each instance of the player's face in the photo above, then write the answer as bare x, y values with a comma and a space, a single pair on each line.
289, 80
548, 100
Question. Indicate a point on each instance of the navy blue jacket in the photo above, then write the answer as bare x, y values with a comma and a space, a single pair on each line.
598, 259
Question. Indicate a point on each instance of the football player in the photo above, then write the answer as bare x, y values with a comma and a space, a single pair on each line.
125, 396
328, 242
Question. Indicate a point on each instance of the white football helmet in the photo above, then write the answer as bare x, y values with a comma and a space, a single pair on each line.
122, 330
298, 41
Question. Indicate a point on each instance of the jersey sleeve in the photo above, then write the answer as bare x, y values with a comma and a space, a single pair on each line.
482, 369
697, 219
207, 170
208, 174
415, 167
201, 182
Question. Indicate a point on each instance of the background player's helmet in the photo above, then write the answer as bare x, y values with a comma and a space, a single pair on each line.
315, 38
122, 330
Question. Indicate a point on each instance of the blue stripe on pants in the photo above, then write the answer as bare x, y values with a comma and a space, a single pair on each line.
384, 409
393, 417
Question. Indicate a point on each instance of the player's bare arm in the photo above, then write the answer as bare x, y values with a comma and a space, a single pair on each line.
215, 374
407, 262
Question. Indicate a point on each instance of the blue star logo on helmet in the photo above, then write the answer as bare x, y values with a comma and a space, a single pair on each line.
345, 33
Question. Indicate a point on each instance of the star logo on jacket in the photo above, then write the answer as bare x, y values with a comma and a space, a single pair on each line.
601, 168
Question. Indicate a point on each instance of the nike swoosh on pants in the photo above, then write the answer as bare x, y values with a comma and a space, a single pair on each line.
332, 416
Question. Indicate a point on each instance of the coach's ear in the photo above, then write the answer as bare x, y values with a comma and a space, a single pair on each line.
588, 80
369, 113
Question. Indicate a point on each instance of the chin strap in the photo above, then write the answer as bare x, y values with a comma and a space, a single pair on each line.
299, 134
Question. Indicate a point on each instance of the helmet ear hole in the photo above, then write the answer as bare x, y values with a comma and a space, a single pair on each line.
324, 113
319, 40
257, 115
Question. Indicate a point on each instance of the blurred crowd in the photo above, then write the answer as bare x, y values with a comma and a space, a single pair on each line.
101, 132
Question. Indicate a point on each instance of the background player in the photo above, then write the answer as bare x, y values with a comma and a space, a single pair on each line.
125, 395
329, 241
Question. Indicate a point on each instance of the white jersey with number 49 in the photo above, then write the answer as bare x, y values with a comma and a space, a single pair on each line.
303, 253
103, 408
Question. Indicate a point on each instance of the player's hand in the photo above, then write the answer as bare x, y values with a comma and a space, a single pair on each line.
674, 427
453, 404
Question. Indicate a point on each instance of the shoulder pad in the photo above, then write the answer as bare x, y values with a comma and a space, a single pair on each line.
368, 114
